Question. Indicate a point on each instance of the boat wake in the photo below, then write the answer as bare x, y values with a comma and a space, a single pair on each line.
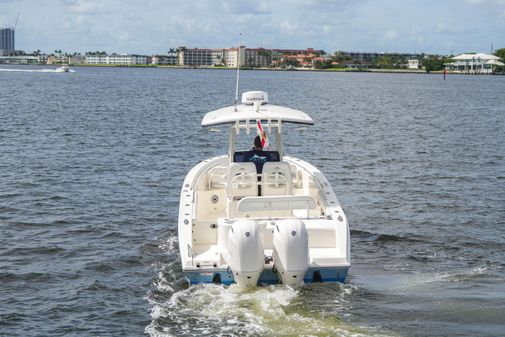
275, 310
317, 309
35, 70
476, 275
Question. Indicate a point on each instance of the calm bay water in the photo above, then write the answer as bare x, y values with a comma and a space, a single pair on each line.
91, 165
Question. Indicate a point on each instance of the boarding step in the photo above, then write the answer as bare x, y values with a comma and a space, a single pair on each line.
206, 255
326, 257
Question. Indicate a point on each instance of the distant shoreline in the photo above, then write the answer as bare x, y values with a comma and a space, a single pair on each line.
338, 70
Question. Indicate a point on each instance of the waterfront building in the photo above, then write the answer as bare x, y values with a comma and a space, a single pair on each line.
232, 56
164, 60
474, 63
51, 59
126, 59
24, 59
204, 57
298, 57
352, 64
248, 57
299, 51
7, 40
257, 57
413, 64
56, 59
76, 59
218, 57
95, 58
194, 57
116, 59
359, 56
374, 56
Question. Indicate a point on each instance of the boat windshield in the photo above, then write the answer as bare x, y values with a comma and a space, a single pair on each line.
244, 141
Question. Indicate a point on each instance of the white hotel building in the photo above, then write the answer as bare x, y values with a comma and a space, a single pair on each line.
116, 59
227, 57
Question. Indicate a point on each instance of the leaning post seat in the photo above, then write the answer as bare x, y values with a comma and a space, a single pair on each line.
242, 180
276, 179
258, 157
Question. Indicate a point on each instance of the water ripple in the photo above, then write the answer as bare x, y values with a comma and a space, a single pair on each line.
91, 166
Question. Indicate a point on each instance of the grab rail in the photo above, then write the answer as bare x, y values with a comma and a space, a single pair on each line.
276, 203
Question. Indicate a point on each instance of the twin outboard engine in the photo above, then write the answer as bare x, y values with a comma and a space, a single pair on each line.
245, 252
291, 251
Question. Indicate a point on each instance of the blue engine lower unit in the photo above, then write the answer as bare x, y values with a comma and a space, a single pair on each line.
268, 276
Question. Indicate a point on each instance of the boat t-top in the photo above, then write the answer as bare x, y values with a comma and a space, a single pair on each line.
254, 217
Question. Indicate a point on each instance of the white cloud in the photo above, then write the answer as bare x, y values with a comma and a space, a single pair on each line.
288, 27
441, 27
246, 7
391, 34
157, 25
485, 2
85, 7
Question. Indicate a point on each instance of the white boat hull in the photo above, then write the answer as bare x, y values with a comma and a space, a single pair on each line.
207, 250
259, 217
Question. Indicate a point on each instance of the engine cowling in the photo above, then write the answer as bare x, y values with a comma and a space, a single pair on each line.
291, 251
245, 252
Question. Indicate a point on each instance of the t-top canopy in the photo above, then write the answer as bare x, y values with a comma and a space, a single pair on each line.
263, 112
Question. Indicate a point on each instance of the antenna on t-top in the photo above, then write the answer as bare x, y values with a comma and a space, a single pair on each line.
238, 71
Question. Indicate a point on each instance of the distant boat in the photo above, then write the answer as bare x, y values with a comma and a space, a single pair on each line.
259, 217
63, 69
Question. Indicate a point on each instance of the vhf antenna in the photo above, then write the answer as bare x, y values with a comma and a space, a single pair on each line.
238, 71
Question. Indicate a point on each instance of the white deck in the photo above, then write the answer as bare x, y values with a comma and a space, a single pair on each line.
205, 204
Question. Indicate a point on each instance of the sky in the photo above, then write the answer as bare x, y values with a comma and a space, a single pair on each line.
153, 27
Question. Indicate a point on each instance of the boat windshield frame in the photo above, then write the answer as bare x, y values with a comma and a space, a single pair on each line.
234, 131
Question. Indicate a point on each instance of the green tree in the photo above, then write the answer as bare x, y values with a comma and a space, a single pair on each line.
501, 54
264, 52
220, 61
385, 62
322, 64
341, 58
434, 63
289, 63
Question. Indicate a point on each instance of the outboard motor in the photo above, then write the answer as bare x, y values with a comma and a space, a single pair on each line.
291, 251
245, 252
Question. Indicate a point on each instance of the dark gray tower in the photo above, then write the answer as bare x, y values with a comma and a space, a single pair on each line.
7, 39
